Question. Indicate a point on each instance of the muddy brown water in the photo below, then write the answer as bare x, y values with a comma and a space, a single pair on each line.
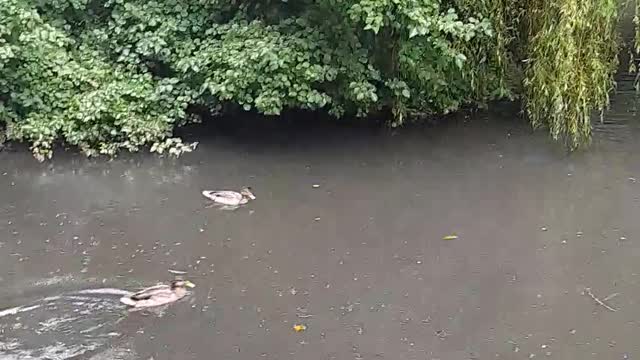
360, 259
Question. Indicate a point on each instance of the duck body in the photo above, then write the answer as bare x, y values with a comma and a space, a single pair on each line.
158, 295
230, 198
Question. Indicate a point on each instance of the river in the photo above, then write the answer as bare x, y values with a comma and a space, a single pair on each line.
345, 237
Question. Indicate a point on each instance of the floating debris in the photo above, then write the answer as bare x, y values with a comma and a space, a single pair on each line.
450, 237
299, 328
315, 186
303, 313
587, 291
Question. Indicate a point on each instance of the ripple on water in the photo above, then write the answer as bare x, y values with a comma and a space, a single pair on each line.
60, 327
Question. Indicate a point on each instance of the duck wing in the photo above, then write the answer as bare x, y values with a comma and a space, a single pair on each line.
140, 296
224, 197
227, 194
151, 291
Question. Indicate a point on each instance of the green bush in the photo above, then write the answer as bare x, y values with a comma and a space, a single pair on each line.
55, 87
122, 74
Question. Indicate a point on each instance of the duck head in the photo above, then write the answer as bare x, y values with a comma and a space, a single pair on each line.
182, 284
246, 192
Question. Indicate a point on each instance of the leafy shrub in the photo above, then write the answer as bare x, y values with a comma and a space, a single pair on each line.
50, 92
121, 74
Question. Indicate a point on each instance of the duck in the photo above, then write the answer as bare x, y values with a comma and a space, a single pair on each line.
158, 295
230, 198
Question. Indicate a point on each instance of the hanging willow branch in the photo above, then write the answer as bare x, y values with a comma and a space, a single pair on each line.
636, 22
635, 54
573, 47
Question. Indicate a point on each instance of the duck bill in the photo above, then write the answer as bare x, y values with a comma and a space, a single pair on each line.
189, 284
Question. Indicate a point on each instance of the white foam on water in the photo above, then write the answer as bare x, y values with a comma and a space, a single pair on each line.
105, 291
17, 309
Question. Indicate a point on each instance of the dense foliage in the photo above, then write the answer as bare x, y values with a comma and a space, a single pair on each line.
122, 74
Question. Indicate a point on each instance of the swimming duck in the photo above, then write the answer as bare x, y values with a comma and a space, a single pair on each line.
158, 295
231, 198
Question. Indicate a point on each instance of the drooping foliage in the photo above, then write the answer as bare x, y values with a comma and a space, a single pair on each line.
123, 74
634, 54
572, 51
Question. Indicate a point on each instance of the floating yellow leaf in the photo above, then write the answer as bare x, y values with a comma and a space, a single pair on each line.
450, 237
299, 328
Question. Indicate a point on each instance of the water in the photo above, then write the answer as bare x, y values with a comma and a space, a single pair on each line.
64, 326
345, 237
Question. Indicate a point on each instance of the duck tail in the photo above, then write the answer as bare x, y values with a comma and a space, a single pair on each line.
208, 194
127, 300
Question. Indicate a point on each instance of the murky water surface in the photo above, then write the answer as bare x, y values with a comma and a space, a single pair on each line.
345, 237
